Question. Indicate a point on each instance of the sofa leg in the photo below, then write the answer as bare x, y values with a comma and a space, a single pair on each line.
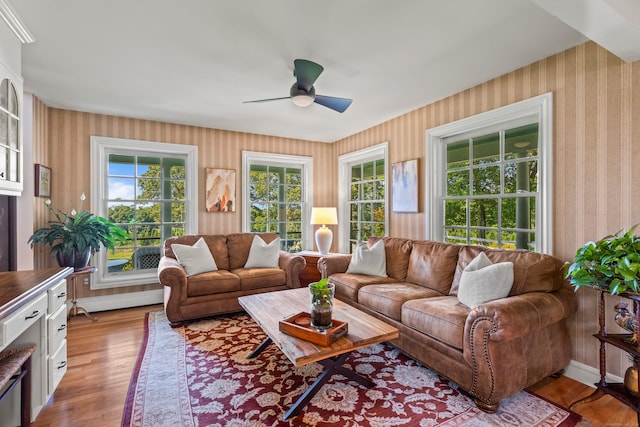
175, 324
486, 407
557, 374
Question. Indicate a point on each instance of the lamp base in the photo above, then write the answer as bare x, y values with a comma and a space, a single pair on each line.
324, 236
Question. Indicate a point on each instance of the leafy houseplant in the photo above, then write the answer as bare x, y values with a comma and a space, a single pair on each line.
74, 237
321, 304
612, 264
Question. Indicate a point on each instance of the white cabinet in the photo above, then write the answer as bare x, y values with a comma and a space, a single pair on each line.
11, 164
56, 335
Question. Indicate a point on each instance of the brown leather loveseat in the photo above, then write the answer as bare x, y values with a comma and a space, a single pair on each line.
216, 292
492, 351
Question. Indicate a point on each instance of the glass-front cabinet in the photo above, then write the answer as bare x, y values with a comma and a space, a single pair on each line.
10, 136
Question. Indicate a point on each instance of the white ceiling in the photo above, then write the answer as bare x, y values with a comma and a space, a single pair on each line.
195, 61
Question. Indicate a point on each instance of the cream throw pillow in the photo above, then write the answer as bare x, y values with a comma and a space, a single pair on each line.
370, 261
195, 259
482, 281
263, 255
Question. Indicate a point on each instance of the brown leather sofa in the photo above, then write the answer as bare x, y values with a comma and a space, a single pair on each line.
492, 351
217, 292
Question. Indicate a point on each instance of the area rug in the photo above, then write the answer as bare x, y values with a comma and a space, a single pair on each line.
198, 375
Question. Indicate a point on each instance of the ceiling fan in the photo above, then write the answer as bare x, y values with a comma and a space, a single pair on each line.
302, 92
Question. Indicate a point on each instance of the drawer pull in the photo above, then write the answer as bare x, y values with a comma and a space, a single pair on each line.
62, 327
32, 315
62, 295
61, 365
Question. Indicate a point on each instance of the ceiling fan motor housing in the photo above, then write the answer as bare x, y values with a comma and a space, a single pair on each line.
301, 97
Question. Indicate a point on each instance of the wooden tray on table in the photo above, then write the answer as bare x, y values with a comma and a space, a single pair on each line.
299, 326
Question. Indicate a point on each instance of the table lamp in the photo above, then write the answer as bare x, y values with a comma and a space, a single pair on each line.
324, 235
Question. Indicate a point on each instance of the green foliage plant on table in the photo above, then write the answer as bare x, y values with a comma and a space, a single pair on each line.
611, 264
77, 232
321, 293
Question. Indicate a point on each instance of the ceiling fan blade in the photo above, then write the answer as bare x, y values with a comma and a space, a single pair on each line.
265, 100
306, 72
337, 104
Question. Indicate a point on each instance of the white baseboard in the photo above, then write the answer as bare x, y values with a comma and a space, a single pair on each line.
114, 302
587, 374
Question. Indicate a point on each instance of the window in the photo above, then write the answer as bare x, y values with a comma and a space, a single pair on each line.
146, 192
491, 178
10, 150
363, 196
276, 189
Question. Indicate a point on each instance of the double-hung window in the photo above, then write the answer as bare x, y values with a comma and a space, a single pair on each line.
491, 178
277, 190
145, 190
363, 196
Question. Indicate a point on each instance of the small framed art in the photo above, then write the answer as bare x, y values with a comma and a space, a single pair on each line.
405, 186
43, 181
220, 188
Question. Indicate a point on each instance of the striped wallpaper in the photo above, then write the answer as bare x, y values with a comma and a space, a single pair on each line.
596, 117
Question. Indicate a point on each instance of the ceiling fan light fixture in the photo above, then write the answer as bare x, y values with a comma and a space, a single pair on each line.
301, 97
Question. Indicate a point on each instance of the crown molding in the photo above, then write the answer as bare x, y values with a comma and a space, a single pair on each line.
15, 24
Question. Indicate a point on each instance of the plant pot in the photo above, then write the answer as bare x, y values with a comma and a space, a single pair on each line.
631, 380
322, 307
75, 259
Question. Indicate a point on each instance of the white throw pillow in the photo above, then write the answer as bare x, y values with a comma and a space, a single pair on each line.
370, 261
263, 255
482, 281
195, 259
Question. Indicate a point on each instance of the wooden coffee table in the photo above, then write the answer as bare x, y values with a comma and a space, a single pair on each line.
267, 309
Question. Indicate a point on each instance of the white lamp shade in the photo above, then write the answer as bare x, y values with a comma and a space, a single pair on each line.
324, 216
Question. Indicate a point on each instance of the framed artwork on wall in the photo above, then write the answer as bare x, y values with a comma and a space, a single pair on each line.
43, 181
404, 186
220, 188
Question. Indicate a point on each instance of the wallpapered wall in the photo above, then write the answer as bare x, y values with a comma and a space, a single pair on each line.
596, 117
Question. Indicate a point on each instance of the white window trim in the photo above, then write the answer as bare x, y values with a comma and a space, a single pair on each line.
99, 186
270, 159
542, 107
345, 162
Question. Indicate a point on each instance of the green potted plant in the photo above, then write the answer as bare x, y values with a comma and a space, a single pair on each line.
74, 237
321, 303
611, 263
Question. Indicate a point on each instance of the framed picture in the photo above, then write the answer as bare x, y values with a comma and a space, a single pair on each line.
43, 181
220, 187
405, 186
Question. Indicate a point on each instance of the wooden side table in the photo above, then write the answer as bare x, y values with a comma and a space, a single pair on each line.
310, 273
72, 279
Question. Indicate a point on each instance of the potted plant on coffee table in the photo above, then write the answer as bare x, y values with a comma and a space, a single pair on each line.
74, 237
611, 264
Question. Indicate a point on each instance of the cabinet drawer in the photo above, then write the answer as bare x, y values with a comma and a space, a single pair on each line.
57, 329
57, 295
18, 322
57, 366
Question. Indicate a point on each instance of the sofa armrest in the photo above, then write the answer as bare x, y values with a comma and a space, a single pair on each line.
173, 277
293, 265
513, 317
513, 342
331, 264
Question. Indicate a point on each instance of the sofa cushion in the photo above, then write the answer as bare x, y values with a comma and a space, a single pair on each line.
483, 281
442, 318
433, 264
213, 282
257, 278
195, 259
348, 285
368, 260
532, 271
262, 254
239, 244
217, 245
397, 251
388, 298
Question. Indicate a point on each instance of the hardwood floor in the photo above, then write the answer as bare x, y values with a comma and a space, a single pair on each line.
102, 355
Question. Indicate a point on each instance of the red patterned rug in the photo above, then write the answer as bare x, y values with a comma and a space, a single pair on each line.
198, 375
